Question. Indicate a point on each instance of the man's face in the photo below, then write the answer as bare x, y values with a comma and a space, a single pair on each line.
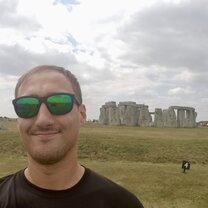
49, 138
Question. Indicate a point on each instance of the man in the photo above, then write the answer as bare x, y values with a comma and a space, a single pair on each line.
48, 103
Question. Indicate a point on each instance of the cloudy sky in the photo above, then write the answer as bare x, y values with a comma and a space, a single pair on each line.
153, 52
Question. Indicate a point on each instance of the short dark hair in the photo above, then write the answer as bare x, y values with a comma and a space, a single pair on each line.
71, 77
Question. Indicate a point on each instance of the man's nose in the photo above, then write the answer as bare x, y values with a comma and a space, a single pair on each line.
44, 117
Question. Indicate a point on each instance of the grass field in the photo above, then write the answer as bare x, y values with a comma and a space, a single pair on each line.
147, 161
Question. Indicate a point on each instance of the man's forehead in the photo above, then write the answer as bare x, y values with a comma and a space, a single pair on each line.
44, 80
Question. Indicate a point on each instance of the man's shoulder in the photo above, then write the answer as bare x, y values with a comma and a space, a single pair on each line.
113, 190
8, 180
5, 179
103, 182
5, 187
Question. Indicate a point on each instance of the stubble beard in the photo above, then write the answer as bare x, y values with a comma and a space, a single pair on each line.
51, 157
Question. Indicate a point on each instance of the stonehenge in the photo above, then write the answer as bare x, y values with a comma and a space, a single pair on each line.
133, 114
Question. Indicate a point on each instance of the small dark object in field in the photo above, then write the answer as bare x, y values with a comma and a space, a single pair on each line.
186, 165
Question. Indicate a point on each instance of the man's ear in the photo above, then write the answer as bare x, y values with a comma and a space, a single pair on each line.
83, 115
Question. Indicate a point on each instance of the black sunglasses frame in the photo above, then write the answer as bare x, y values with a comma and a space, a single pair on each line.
44, 100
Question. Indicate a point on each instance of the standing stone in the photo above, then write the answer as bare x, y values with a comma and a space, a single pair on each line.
165, 118
122, 114
158, 117
144, 117
112, 113
130, 113
109, 114
103, 119
127, 113
186, 116
171, 117
181, 118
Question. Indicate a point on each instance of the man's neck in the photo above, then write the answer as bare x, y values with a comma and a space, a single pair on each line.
60, 176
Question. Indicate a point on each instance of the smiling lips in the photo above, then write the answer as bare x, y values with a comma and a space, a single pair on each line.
45, 135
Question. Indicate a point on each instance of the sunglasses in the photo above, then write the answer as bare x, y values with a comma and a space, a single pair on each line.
57, 104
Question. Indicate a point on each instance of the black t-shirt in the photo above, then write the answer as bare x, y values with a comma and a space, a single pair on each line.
92, 191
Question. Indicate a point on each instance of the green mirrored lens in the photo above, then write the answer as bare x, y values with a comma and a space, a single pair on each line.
27, 107
60, 104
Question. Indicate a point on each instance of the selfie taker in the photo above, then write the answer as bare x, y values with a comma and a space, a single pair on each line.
48, 103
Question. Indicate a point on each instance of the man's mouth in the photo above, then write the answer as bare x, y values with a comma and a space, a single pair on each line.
45, 133
45, 136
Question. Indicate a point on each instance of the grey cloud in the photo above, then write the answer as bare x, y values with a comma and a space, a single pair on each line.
8, 7
94, 76
167, 34
10, 19
15, 59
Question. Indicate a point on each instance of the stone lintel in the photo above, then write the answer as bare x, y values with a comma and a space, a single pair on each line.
130, 103
182, 108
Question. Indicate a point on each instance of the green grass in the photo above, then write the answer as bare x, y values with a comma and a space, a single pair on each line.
147, 161
157, 145
159, 185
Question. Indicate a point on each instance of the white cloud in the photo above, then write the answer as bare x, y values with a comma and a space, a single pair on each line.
178, 91
185, 76
7, 81
151, 52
